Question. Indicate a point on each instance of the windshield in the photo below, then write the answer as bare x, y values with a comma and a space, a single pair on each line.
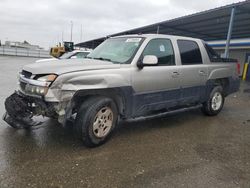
117, 50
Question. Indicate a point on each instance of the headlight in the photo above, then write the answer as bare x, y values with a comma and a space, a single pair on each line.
36, 90
47, 78
39, 85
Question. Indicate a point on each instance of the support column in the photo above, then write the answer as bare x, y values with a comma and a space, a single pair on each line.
229, 33
158, 29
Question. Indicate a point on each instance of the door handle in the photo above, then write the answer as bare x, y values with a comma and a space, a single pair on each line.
202, 73
175, 74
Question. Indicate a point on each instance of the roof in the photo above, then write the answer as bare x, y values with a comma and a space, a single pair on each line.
207, 25
154, 36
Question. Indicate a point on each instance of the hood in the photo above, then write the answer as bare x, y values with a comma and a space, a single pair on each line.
68, 65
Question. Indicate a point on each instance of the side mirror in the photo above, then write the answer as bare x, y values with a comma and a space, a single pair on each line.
150, 60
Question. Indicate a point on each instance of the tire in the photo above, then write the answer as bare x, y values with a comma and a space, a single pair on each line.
215, 103
96, 120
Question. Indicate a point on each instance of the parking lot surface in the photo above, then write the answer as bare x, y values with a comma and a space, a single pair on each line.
183, 150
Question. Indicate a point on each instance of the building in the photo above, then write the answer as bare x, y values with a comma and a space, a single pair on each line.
23, 45
239, 49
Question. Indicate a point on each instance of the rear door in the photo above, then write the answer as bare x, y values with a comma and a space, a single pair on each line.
193, 73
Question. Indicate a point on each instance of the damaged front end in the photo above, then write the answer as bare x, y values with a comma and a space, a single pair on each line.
21, 109
28, 102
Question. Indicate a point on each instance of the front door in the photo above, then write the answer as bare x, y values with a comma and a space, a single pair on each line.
156, 87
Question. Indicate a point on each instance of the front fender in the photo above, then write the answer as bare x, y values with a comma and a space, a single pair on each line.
66, 86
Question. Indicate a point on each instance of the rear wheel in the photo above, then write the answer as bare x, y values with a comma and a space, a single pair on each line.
95, 121
215, 103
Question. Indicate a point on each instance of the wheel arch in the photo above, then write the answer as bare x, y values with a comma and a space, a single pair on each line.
121, 97
224, 82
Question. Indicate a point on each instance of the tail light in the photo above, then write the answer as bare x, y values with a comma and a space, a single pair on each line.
238, 67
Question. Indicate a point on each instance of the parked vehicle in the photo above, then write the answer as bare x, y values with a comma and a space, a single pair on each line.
124, 78
76, 54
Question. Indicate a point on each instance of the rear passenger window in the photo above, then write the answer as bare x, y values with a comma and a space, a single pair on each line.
162, 49
190, 52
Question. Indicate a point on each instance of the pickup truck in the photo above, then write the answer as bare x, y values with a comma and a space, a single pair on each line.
125, 78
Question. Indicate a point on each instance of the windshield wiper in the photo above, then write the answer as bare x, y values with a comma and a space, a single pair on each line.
102, 59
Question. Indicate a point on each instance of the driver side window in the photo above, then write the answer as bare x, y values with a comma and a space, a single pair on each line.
162, 49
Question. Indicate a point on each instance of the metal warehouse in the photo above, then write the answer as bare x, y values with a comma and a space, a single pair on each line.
226, 29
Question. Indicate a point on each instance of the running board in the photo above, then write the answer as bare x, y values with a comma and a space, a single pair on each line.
168, 113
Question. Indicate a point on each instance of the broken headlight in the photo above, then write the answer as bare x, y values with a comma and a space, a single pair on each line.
36, 90
39, 85
47, 78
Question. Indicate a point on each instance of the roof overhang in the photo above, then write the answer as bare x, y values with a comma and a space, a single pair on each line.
207, 25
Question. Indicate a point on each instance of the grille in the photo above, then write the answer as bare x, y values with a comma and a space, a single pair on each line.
26, 74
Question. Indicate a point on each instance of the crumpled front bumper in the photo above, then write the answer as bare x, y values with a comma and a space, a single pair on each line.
19, 123
20, 111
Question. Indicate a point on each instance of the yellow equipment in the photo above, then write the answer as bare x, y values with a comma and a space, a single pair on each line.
246, 66
58, 51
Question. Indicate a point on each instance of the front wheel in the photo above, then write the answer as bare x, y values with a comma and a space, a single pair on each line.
215, 103
96, 120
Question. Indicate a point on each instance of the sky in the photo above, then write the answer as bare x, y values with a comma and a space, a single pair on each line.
47, 22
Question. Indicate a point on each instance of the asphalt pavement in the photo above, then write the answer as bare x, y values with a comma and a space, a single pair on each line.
183, 150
